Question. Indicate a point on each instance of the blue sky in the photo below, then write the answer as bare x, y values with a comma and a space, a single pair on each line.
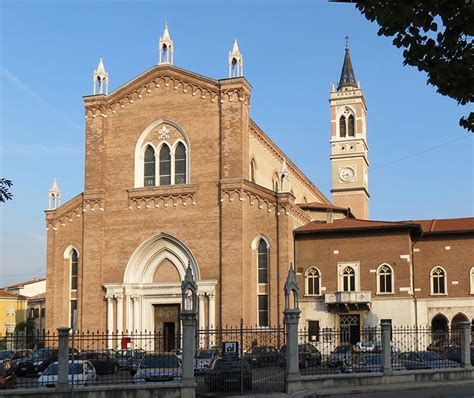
421, 160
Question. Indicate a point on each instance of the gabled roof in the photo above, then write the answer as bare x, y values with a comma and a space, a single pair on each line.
352, 224
446, 225
22, 284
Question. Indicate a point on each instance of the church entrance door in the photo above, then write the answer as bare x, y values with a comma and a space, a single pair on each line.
167, 326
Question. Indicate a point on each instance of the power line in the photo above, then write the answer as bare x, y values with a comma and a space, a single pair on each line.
421, 152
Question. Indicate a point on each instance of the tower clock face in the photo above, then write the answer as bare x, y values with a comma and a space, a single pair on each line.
347, 174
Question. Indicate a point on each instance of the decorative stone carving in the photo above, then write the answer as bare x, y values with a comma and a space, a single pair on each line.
163, 133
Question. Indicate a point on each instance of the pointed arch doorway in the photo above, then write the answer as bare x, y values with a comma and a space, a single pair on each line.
149, 297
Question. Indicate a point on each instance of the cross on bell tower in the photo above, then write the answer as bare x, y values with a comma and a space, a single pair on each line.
166, 48
349, 150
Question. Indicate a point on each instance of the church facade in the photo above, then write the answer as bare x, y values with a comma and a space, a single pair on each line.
178, 174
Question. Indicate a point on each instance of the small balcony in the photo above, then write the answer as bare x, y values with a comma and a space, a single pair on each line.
347, 301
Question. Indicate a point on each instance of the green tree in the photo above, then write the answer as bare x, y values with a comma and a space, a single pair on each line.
5, 193
436, 36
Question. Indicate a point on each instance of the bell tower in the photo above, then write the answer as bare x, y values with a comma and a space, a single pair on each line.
166, 48
349, 150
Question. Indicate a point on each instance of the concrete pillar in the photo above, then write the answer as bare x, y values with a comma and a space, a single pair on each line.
466, 345
136, 313
63, 358
119, 299
291, 319
212, 311
188, 382
110, 320
129, 312
386, 348
202, 314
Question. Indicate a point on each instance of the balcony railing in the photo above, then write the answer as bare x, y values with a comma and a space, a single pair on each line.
348, 298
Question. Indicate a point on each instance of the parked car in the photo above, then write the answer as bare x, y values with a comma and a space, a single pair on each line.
425, 360
367, 346
339, 356
454, 354
262, 356
7, 375
38, 361
14, 356
178, 353
308, 355
203, 359
80, 373
158, 368
226, 374
123, 356
368, 363
102, 362
134, 362
442, 345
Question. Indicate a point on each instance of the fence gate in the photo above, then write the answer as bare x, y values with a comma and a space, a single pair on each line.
239, 360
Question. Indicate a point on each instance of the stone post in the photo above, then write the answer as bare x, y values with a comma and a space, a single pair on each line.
63, 358
386, 348
466, 345
291, 319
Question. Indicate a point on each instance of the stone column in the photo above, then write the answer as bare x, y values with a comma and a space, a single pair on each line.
110, 319
291, 320
202, 314
119, 299
386, 348
63, 357
212, 311
466, 345
136, 314
129, 311
188, 381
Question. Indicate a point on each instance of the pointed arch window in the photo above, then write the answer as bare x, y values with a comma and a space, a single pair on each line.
262, 262
438, 281
74, 263
252, 171
348, 279
180, 164
351, 126
384, 279
165, 165
313, 282
149, 167
342, 126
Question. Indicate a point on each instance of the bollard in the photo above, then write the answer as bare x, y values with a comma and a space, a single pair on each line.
291, 319
466, 345
386, 348
63, 358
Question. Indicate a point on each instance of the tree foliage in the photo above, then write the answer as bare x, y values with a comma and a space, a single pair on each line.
5, 186
436, 36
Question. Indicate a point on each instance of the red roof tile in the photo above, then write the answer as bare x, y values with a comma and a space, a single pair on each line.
5, 294
317, 205
353, 224
446, 225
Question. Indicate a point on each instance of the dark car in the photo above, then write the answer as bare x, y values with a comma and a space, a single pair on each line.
123, 356
308, 355
442, 345
134, 362
262, 356
228, 374
454, 354
368, 363
340, 355
7, 376
14, 356
425, 360
38, 361
102, 362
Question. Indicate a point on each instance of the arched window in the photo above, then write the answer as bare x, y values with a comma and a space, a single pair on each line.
385, 279
438, 281
149, 167
342, 126
275, 183
180, 164
348, 280
165, 165
351, 126
313, 282
262, 262
74, 262
252, 171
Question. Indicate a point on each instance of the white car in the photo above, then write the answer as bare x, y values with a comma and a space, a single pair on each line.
80, 373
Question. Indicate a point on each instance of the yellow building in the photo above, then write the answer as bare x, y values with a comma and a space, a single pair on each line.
13, 310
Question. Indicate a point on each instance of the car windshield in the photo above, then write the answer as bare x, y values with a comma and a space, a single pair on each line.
43, 353
430, 356
159, 361
341, 349
74, 368
204, 354
124, 354
5, 354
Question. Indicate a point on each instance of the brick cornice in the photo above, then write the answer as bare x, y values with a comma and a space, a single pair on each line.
165, 196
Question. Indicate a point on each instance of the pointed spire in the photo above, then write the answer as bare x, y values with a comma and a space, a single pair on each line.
347, 75
284, 177
166, 47
54, 196
101, 78
236, 61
